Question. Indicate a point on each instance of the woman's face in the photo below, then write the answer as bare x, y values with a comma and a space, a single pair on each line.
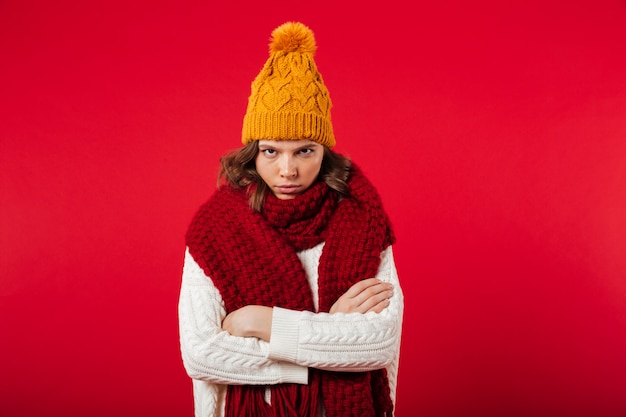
289, 167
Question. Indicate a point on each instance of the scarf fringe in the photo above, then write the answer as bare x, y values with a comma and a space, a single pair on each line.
287, 400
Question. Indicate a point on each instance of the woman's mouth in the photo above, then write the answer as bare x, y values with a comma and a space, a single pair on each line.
287, 189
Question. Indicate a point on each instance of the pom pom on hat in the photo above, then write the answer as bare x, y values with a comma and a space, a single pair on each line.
288, 99
292, 37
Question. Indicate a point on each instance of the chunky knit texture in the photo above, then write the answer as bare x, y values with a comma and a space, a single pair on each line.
288, 99
252, 259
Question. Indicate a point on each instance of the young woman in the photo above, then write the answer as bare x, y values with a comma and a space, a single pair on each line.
290, 303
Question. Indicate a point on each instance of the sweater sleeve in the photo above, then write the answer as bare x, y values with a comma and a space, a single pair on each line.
342, 341
211, 354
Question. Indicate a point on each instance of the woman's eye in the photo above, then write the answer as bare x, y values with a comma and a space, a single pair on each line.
306, 151
269, 152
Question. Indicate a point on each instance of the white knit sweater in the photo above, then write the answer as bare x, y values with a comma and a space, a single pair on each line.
299, 339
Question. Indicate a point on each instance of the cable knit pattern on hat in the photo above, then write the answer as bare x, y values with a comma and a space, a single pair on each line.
288, 99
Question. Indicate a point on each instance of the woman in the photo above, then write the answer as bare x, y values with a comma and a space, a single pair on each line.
290, 303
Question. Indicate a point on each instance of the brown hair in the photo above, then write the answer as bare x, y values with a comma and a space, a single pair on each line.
239, 169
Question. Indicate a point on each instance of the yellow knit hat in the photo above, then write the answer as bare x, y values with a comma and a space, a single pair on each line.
289, 99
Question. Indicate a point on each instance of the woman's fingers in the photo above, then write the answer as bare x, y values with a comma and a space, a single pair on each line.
368, 295
361, 286
380, 306
377, 301
372, 296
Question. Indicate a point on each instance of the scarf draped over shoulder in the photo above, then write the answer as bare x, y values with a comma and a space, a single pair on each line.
251, 257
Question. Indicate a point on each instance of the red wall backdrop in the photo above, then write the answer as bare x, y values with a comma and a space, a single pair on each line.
495, 131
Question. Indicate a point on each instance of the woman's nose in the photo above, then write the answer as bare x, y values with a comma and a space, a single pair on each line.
288, 167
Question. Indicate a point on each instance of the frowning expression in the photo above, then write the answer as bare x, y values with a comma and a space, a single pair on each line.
289, 167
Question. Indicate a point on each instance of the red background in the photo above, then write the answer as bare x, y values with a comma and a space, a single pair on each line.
495, 132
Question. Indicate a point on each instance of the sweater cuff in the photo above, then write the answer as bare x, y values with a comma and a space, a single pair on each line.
294, 374
284, 335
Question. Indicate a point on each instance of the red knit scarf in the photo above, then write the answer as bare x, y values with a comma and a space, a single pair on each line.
251, 258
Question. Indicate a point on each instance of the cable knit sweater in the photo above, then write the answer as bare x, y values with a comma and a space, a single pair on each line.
299, 339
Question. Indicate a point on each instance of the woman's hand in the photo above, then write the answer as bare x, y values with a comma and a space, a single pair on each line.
250, 321
368, 295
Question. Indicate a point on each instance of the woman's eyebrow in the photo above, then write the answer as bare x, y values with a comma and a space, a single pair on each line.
296, 149
308, 146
